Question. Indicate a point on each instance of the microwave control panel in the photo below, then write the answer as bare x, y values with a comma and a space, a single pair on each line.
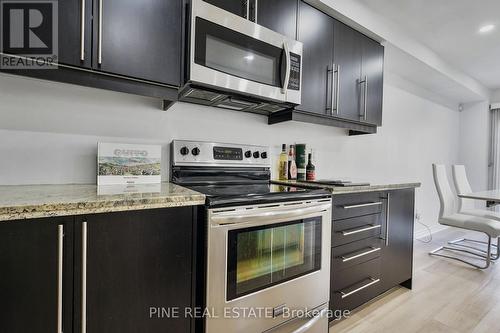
294, 83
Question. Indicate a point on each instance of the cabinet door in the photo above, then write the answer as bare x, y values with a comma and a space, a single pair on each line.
238, 7
30, 259
72, 39
397, 255
278, 15
373, 71
138, 263
139, 39
316, 32
347, 56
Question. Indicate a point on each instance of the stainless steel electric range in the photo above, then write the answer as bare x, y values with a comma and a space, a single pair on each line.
267, 254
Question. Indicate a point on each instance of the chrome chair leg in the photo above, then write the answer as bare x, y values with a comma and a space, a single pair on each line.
487, 257
460, 241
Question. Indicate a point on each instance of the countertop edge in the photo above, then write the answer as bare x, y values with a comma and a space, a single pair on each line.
336, 190
32, 212
42, 201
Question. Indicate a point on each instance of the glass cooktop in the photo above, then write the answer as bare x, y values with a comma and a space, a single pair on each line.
230, 195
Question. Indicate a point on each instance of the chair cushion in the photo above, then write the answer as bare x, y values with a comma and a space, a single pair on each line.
482, 213
475, 223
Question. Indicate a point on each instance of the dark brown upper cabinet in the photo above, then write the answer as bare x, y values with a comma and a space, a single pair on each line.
122, 45
347, 57
75, 33
360, 66
238, 7
342, 77
138, 39
372, 69
277, 15
315, 31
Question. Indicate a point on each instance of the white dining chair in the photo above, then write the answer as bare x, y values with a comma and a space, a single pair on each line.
468, 207
449, 216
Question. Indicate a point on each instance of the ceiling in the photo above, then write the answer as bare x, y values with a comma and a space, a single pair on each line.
450, 28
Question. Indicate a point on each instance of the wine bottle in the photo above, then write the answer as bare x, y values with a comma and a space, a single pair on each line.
310, 169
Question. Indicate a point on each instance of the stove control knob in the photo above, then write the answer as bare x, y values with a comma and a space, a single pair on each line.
248, 154
195, 151
263, 154
256, 154
184, 151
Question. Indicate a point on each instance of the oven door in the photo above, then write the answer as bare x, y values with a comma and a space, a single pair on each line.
274, 258
233, 54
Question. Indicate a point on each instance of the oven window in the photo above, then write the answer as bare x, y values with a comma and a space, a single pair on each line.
260, 257
237, 54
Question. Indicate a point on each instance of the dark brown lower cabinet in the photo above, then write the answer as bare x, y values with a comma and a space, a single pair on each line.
33, 255
372, 247
137, 263
137, 268
397, 254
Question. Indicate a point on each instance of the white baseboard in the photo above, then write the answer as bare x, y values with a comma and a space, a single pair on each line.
425, 233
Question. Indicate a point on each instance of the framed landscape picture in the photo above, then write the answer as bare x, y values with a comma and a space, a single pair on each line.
119, 163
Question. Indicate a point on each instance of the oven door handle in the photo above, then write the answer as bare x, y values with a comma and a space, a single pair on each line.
304, 328
242, 216
287, 68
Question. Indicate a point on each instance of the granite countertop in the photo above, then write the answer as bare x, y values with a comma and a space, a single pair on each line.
351, 189
35, 201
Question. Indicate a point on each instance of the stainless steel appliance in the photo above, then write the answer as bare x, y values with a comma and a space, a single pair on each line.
268, 246
237, 64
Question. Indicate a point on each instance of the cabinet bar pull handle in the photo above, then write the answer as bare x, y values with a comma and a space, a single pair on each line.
82, 32
368, 204
336, 70
372, 250
328, 71
366, 98
365, 95
84, 277
350, 293
255, 11
60, 249
357, 231
387, 219
99, 39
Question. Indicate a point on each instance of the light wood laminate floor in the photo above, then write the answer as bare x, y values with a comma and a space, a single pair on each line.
447, 296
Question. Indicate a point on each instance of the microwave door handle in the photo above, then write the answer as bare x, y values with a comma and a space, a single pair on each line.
287, 69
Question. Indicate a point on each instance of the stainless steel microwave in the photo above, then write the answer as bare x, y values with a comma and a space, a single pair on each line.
237, 64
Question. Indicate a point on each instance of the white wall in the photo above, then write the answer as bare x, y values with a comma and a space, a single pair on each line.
49, 131
475, 143
495, 96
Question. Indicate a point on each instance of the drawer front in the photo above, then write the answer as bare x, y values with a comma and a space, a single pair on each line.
355, 253
356, 228
355, 286
352, 205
